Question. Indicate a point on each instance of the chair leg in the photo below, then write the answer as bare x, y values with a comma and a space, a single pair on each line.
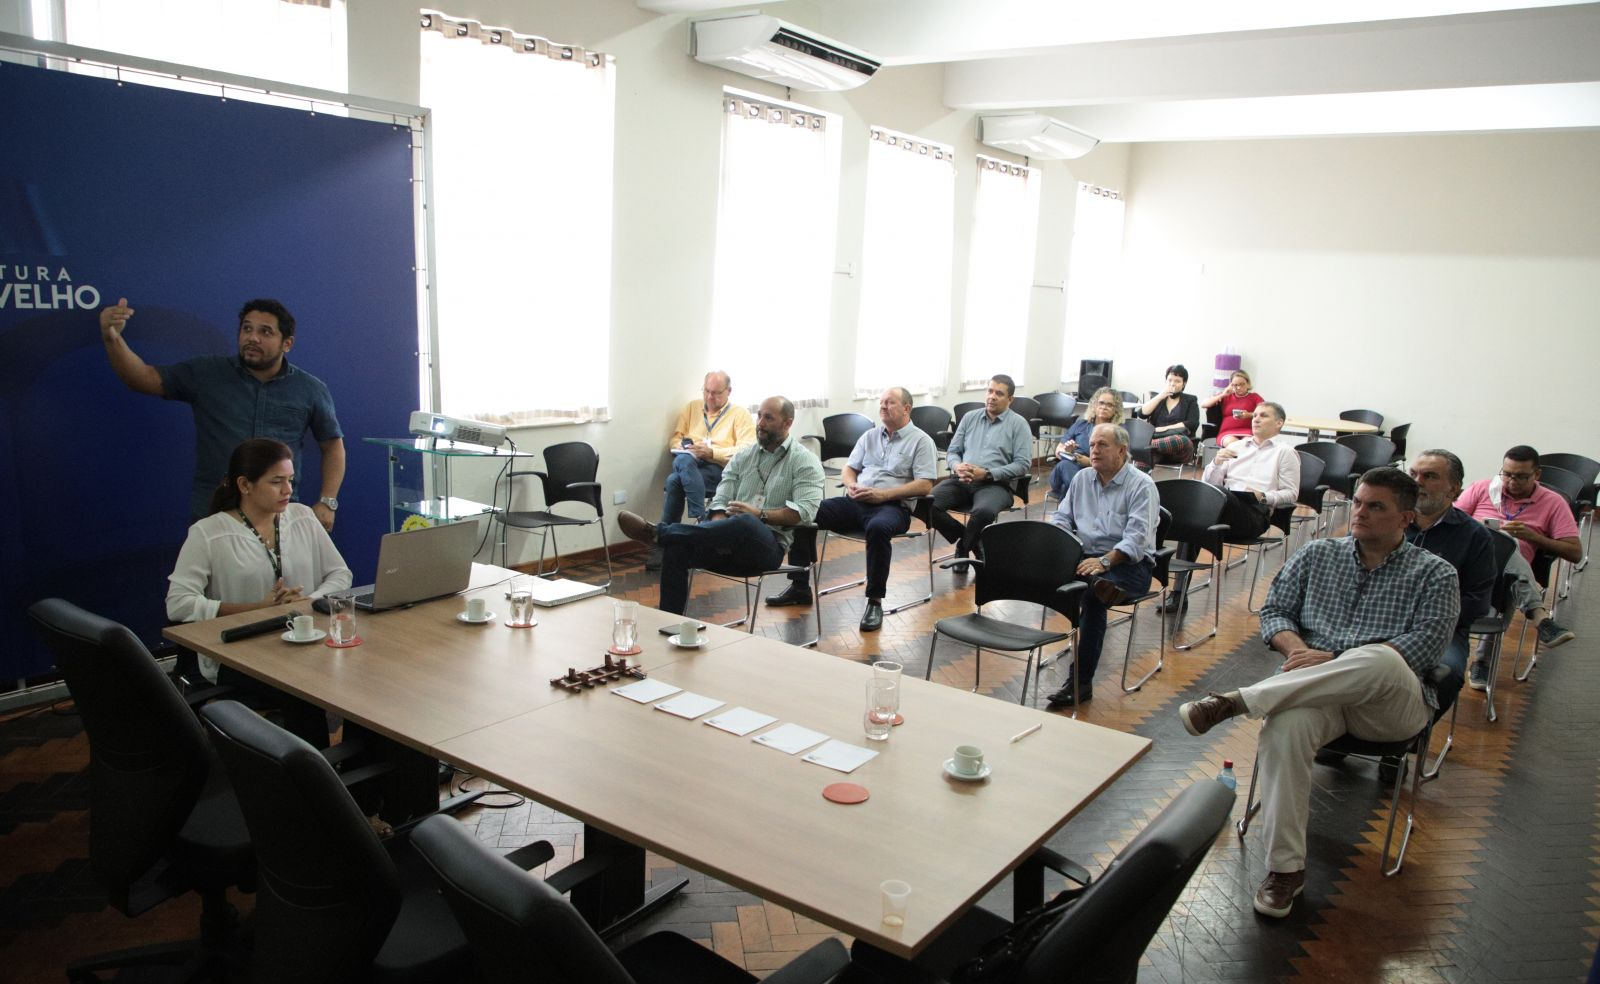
1517, 673
1432, 771
933, 643
1127, 652
606, 546
1251, 805
1494, 674
1419, 752
1216, 614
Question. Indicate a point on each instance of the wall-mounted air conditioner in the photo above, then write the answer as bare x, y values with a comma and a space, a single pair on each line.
1035, 136
766, 48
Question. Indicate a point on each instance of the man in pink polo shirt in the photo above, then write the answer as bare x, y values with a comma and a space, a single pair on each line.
1540, 519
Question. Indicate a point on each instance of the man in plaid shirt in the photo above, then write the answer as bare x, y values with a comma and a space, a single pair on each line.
1360, 621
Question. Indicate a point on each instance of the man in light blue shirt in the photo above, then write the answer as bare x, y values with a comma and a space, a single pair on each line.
1113, 508
988, 453
890, 467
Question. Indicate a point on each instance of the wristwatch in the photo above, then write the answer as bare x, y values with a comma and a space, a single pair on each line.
330, 502
763, 515
1105, 561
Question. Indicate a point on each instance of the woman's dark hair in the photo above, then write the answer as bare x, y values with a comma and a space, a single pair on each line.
1179, 371
249, 461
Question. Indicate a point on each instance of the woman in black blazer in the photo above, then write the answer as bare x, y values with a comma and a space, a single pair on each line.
1175, 415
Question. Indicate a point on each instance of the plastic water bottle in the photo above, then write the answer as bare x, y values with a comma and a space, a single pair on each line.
1226, 776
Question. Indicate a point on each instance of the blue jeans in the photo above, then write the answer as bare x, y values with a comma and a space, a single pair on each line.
739, 545
1132, 578
1061, 477
881, 523
686, 486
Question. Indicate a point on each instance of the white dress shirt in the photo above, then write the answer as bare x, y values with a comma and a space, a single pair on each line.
1271, 467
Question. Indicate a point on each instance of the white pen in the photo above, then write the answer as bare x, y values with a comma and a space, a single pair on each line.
1021, 735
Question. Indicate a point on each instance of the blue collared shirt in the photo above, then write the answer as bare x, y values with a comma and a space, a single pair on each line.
1002, 446
1408, 602
1118, 515
882, 460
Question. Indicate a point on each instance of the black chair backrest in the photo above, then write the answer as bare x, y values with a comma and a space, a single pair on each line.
1195, 506
1027, 561
1311, 468
520, 929
962, 409
1398, 434
148, 759
327, 893
1140, 433
1056, 409
1587, 469
1338, 462
1028, 408
567, 464
1103, 934
1372, 417
1371, 451
840, 432
1088, 383
1567, 483
1500, 595
931, 420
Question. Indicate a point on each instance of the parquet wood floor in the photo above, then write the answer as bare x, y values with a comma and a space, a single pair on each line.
1501, 881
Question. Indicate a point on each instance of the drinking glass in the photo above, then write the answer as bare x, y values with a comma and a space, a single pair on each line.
883, 698
342, 619
624, 626
521, 602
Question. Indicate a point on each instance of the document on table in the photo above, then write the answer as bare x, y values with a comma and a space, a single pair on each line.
741, 721
840, 755
691, 706
791, 738
646, 691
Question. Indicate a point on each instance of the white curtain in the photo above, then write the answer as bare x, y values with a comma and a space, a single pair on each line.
775, 244
1093, 272
278, 40
522, 161
903, 335
1000, 273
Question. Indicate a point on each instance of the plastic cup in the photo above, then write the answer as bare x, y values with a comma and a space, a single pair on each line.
896, 895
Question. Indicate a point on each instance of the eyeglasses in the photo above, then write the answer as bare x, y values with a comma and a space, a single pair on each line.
1516, 476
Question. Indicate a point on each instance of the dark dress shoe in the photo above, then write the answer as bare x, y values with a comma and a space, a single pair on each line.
636, 527
794, 594
1063, 697
872, 618
1106, 592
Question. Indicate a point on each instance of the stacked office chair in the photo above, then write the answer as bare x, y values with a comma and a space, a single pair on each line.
569, 476
1057, 411
521, 930
1587, 469
1028, 408
1026, 561
1338, 475
333, 903
163, 819
1371, 451
1104, 932
1372, 417
936, 422
1398, 434
840, 432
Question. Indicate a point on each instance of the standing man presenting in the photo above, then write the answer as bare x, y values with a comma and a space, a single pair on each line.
256, 394
989, 451
709, 432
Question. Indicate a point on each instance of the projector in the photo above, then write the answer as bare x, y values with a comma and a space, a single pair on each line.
424, 424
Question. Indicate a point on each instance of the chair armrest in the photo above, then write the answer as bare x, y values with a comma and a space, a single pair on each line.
530, 856
1073, 587
1219, 528
194, 698
821, 963
583, 485
963, 562
1062, 865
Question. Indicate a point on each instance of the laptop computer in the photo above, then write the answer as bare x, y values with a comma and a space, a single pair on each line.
419, 565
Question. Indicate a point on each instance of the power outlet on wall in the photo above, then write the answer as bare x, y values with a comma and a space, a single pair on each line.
619, 497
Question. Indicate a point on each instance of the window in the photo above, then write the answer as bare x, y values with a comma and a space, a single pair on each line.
301, 42
1093, 271
775, 245
1000, 278
522, 161
903, 335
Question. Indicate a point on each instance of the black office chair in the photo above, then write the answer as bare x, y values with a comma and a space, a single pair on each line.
1311, 490
569, 476
752, 580
1140, 433
1493, 626
163, 820
333, 903
1196, 521
936, 422
926, 532
840, 432
1338, 473
523, 931
1019, 500
1057, 411
1283, 519
1028, 408
1371, 451
1102, 934
1346, 745
1372, 417
962, 409
1398, 434
1026, 561
1587, 469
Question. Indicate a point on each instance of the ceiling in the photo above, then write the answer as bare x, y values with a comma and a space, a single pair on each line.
1156, 70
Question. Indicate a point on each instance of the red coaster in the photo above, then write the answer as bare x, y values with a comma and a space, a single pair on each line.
349, 645
845, 792
624, 652
898, 720
512, 625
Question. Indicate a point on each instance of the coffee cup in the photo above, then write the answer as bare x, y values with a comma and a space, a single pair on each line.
689, 632
303, 626
968, 760
477, 609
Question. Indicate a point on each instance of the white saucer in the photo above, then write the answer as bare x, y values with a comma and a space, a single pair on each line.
317, 635
676, 640
950, 770
485, 620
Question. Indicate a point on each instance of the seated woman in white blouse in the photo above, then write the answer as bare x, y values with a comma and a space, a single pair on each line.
257, 549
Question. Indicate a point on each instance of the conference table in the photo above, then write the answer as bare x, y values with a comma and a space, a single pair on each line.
1314, 426
480, 697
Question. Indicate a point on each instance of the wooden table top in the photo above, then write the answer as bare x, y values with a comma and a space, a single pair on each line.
479, 696
1299, 423
756, 818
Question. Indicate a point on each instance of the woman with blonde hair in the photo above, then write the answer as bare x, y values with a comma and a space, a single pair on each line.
1105, 407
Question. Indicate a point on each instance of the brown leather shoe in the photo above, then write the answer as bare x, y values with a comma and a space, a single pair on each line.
1106, 592
1200, 716
636, 527
1277, 893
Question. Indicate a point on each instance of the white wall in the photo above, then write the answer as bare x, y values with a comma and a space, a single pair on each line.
669, 122
1450, 281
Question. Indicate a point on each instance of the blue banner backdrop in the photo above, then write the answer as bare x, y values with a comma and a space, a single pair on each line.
187, 205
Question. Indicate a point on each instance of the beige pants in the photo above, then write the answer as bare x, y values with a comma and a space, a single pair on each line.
1368, 692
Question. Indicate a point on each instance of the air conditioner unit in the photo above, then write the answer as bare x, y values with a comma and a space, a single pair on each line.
1035, 136
768, 49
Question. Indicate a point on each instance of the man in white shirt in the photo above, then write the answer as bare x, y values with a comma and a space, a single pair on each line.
1260, 473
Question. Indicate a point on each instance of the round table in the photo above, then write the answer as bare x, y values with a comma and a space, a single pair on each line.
1313, 426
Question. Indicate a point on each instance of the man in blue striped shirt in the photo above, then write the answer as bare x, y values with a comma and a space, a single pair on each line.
1360, 622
